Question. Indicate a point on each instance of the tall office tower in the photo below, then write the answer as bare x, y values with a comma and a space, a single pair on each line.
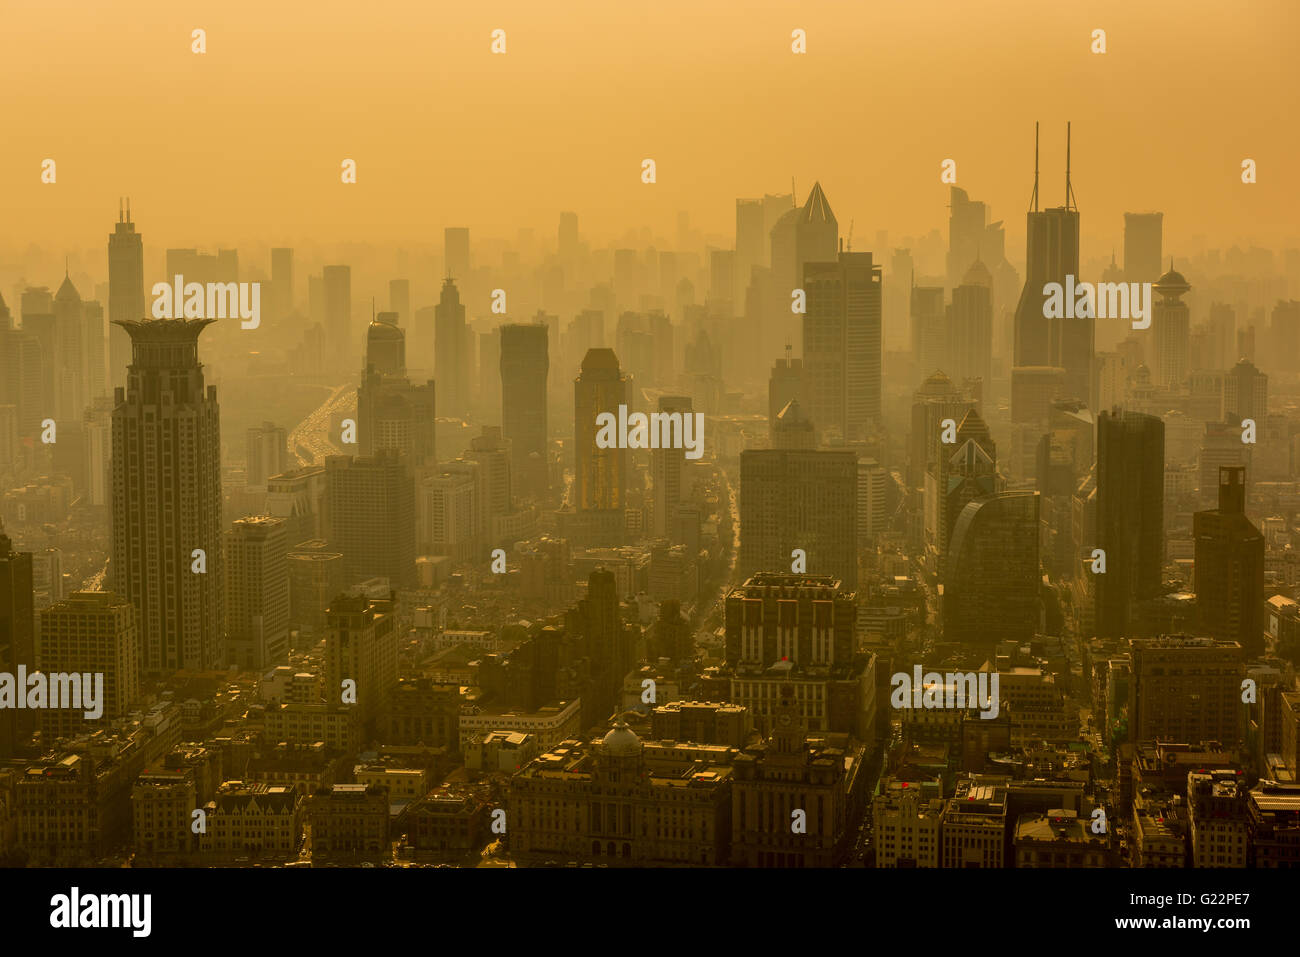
1142, 246
930, 335
167, 497
1171, 323
268, 453
92, 337
1221, 447
281, 291
722, 278
936, 400
70, 358
257, 593
601, 474
971, 327
1185, 689
808, 234
524, 366
873, 500
751, 245
962, 472
567, 238
1051, 254
492, 454
841, 343
1230, 567
1283, 333
792, 429
455, 242
391, 412
971, 237
361, 647
1130, 516
22, 379
991, 576
668, 467
371, 504
337, 293
450, 513
125, 292
36, 301
451, 352
316, 299
799, 499
784, 385
488, 400
97, 427
17, 636
1245, 393
898, 299
92, 632
399, 301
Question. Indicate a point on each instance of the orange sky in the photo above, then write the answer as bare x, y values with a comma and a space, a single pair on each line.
243, 144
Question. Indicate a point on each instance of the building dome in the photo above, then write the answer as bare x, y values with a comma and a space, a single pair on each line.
621, 741
1172, 284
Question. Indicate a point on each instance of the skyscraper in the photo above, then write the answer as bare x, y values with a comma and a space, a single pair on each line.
371, 503
166, 467
1230, 567
963, 471
1142, 246
281, 282
841, 343
784, 384
267, 454
338, 313
970, 327
70, 354
91, 632
1171, 326
125, 293
799, 499
600, 477
451, 351
1052, 254
257, 593
524, 365
17, 635
399, 301
391, 412
1130, 516
1245, 392
991, 575
669, 472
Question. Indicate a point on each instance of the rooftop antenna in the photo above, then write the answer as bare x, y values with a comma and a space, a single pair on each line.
119, 210
794, 197
128, 209
851, 235
1070, 202
1033, 202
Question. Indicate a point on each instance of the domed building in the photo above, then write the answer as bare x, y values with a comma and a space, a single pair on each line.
386, 345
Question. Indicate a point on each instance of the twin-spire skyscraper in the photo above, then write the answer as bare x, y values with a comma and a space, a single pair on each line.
1051, 254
